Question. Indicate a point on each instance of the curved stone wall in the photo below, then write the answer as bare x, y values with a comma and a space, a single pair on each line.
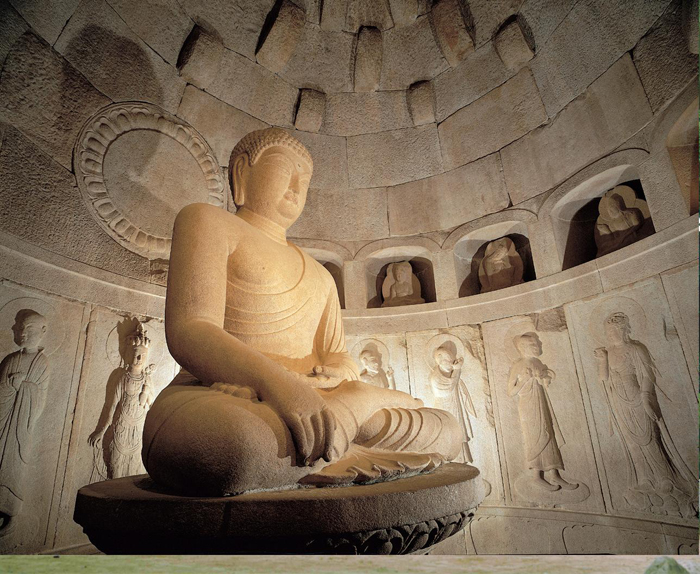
435, 128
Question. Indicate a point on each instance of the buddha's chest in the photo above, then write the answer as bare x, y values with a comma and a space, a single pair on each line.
265, 266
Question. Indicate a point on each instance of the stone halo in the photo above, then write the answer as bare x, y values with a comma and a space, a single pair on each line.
92, 145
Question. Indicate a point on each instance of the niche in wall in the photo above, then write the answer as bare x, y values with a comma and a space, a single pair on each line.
334, 265
575, 215
377, 264
470, 250
682, 145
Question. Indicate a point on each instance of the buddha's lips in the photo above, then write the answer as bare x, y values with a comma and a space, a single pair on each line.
293, 197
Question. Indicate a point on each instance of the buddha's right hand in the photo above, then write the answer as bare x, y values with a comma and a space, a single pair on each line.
308, 418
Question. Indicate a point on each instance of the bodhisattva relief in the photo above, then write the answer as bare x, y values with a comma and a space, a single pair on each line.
620, 220
373, 372
269, 396
401, 286
133, 396
501, 266
24, 377
657, 476
451, 392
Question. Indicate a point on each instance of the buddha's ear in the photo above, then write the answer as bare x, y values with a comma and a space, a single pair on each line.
237, 178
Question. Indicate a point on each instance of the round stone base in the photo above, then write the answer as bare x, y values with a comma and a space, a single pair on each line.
133, 515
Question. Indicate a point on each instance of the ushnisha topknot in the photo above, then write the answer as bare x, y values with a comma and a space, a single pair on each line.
258, 141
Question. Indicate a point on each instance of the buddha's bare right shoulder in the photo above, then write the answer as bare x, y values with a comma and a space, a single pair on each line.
204, 219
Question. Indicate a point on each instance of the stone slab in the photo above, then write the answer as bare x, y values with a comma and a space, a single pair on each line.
483, 444
565, 402
350, 114
613, 108
448, 199
255, 90
150, 521
221, 125
368, 13
603, 31
44, 449
451, 31
368, 60
282, 38
492, 122
480, 72
45, 97
544, 16
238, 22
421, 103
663, 61
99, 376
162, 24
411, 54
330, 159
12, 26
393, 320
312, 108
322, 60
355, 214
46, 18
115, 60
390, 158
512, 46
488, 16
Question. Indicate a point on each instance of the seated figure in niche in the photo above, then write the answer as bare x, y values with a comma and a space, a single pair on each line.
450, 391
617, 225
529, 379
656, 472
270, 396
132, 398
501, 266
24, 376
373, 373
401, 286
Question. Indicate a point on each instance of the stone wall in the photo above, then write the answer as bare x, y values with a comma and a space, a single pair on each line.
433, 131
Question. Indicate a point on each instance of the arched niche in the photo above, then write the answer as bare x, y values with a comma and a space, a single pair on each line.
334, 264
377, 263
682, 145
574, 216
469, 252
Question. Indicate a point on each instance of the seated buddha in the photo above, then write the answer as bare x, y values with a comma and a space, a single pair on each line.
268, 397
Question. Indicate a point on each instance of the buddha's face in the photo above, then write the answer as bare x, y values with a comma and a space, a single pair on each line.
371, 362
530, 346
616, 332
403, 274
275, 186
139, 357
29, 332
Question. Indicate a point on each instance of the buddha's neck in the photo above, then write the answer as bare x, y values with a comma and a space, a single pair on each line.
275, 232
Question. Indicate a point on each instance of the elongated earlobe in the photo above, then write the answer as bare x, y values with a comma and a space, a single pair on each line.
237, 179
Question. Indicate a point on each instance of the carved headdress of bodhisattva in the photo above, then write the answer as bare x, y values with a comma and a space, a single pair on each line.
139, 338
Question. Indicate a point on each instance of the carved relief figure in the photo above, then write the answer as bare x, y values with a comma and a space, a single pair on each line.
270, 396
656, 472
373, 373
24, 376
529, 379
133, 397
501, 266
450, 391
401, 286
617, 225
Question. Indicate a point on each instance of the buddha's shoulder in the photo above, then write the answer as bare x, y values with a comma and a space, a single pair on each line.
203, 217
320, 269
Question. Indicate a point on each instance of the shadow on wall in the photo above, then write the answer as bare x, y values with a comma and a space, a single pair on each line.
471, 285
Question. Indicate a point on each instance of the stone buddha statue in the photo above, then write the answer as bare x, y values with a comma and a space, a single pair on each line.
269, 397
617, 225
401, 286
501, 266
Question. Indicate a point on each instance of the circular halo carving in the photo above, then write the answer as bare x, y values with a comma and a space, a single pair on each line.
121, 223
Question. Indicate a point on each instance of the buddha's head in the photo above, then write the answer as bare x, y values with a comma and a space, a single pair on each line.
445, 356
138, 349
270, 173
528, 345
497, 249
617, 328
29, 329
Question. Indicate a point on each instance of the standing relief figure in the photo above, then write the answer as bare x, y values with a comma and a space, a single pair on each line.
24, 376
450, 392
132, 398
373, 373
528, 380
657, 475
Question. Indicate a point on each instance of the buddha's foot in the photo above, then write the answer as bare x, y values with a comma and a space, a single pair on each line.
362, 465
557, 480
